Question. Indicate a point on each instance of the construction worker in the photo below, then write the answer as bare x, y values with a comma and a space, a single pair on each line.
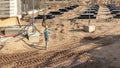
46, 35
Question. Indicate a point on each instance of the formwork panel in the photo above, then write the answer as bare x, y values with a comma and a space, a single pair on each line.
8, 8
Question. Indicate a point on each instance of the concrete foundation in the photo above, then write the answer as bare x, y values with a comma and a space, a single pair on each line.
34, 37
89, 28
12, 31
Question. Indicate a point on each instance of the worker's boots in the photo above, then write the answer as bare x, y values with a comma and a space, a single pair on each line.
46, 47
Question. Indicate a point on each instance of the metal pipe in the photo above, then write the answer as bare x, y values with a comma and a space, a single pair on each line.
88, 1
33, 15
89, 16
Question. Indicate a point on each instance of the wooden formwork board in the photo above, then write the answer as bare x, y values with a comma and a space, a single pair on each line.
7, 22
8, 8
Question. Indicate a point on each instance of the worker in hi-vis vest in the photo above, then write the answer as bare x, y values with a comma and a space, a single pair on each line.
46, 35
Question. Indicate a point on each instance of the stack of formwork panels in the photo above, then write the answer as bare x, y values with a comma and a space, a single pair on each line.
8, 8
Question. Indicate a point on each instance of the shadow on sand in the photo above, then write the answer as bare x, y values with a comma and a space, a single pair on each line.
36, 46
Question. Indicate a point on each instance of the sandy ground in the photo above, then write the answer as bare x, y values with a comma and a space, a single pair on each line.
104, 30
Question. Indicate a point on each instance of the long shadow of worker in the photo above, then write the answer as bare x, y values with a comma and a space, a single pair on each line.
36, 46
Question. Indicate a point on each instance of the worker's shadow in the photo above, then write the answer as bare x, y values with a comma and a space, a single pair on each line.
36, 46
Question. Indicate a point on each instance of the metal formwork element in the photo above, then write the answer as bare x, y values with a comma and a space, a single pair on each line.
8, 8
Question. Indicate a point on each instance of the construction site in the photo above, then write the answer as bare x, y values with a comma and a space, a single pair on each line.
59, 34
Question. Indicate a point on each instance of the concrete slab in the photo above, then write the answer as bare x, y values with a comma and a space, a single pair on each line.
89, 28
34, 37
12, 31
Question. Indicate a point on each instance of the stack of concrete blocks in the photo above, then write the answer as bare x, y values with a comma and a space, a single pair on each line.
89, 28
8, 8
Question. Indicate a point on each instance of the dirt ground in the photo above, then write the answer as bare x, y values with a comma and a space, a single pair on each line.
69, 46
